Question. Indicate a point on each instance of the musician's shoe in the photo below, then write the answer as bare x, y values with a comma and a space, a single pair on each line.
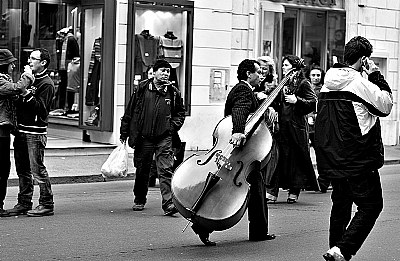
334, 254
203, 235
262, 238
137, 207
170, 210
3, 212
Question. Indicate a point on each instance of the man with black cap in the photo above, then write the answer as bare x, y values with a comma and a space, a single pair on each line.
8, 124
154, 113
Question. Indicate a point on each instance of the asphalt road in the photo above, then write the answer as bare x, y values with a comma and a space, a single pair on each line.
93, 221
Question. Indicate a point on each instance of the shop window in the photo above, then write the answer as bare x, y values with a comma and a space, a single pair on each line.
162, 31
92, 69
289, 32
313, 37
336, 38
55, 27
10, 30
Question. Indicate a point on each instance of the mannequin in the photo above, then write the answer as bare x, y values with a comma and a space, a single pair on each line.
170, 35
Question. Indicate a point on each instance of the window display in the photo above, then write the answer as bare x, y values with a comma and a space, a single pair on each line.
92, 67
161, 32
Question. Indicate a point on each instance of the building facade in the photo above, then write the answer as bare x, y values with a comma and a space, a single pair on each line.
101, 49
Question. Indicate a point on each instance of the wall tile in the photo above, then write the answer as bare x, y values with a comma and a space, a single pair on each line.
372, 32
212, 39
122, 13
209, 19
392, 34
386, 18
210, 57
240, 21
216, 5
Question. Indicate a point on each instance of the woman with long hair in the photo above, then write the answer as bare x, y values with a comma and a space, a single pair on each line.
297, 99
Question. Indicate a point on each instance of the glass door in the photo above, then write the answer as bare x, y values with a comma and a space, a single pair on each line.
313, 35
92, 69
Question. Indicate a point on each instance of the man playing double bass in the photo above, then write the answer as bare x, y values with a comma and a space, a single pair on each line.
241, 102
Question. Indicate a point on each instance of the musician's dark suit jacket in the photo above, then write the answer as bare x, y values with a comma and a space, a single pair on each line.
241, 101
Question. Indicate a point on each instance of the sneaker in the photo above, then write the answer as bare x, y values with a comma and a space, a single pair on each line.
170, 210
41, 211
137, 207
18, 209
4, 213
334, 254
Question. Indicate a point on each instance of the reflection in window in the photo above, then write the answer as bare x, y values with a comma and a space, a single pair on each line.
289, 32
313, 37
336, 38
160, 35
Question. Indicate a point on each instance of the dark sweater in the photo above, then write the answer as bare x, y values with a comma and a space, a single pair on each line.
33, 109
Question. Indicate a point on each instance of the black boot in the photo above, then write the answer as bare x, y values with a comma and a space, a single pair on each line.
203, 235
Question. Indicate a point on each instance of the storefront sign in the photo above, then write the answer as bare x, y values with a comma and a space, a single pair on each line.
322, 3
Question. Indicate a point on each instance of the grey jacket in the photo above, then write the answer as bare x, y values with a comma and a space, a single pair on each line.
8, 92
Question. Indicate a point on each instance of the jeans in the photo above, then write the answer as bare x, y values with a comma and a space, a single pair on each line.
365, 191
143, 157
4, 167
29, 156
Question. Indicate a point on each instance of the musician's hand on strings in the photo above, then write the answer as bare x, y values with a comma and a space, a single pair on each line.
261, 95
237, 139
272, 115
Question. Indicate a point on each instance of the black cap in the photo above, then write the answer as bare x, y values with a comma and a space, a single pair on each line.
6, 57
161, 64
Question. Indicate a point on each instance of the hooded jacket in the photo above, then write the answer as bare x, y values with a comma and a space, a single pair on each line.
347, 129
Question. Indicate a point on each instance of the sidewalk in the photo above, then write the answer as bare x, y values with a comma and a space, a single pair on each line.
75, 161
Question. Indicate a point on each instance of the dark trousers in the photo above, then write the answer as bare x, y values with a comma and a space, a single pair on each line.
4, 167
143, 157
365, 192
257, 206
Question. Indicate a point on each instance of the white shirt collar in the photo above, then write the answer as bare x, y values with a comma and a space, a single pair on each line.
248, 84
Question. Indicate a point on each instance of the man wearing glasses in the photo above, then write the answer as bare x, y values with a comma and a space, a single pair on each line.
30, 141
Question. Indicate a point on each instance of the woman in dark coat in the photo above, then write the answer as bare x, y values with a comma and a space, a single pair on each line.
296, 100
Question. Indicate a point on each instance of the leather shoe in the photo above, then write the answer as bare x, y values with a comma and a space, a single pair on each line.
262, 238
203, 235
40, 211
170, 210
4, 213
18, 209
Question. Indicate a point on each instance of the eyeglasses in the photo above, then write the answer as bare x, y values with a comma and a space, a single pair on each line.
34, 58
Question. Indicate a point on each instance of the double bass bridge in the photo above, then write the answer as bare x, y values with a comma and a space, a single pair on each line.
222, 161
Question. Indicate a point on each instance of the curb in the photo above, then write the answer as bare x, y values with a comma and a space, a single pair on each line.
131, 176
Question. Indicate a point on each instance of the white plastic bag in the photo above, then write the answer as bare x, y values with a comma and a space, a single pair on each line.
116, 164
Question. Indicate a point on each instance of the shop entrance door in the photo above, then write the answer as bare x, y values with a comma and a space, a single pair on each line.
304, 35
313, 35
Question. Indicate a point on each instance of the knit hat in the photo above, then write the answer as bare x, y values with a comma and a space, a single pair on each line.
6, 57
161, 64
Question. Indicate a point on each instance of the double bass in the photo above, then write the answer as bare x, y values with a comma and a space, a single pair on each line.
211, 190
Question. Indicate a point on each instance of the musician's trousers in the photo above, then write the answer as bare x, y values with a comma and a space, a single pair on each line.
257, 207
